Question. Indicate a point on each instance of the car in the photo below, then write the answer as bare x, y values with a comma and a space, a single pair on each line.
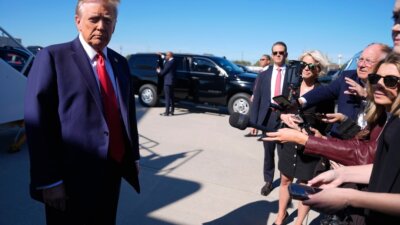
34, 48
350, 65
200, 79
245, 69
328, 77
19, 58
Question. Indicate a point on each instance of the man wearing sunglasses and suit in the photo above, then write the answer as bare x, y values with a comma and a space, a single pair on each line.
272, 82
348, 89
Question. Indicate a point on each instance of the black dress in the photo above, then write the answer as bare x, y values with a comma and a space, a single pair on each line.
292, 161
385, 177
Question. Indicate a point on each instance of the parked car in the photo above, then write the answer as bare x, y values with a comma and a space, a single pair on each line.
328, 77
351, 64
201, 79
245, 69
34, 48
19, 58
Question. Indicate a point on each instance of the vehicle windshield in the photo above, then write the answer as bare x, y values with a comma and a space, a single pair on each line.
228, 66
352, 63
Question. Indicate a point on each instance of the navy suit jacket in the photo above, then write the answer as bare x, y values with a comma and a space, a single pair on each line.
66, 129
348, 105
260, 107
168, 72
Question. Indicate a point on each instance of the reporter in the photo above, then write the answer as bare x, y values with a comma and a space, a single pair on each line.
292, 162
349, 104
359, 150
382, 200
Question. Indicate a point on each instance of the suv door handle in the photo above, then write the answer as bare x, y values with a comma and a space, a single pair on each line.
195, 78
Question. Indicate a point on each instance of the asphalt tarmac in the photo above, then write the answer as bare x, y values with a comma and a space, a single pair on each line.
195, 169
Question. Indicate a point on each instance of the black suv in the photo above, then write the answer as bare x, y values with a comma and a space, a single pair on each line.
201, 79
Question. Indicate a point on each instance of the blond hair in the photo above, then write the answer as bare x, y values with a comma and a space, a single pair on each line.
321, 61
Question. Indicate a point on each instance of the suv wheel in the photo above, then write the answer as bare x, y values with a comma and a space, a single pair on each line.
239, 103
148, 95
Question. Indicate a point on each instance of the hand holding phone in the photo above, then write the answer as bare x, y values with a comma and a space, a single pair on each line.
301, 192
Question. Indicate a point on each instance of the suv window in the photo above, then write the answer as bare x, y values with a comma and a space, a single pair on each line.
202, 65
180, 63
352, 63
143, 62
228, 66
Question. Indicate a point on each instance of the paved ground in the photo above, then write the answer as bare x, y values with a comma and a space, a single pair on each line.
196, 169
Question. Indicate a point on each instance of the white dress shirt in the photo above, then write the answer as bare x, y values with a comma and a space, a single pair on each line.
273, 79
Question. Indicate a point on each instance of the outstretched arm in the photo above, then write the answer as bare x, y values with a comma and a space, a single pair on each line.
346, 152
333, 199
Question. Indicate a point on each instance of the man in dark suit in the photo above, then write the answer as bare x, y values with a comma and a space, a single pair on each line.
168, 73
272, 82
264, 62
81, 122
349, 89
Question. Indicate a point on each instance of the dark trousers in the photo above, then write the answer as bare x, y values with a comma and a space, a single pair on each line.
84, 210
269, 160
271, 122
169, 99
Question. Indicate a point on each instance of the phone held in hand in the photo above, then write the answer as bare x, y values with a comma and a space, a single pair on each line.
282, 101
320, 116
301, 192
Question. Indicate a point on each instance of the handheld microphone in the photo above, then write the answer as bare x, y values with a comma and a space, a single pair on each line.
242, 121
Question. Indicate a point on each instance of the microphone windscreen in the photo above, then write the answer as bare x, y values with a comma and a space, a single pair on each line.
239, 120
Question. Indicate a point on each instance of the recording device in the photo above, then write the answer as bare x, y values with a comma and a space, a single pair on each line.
242, 121
286, 106
296, 67
291, 103
301, 192
283, 102
320, 116
347, 129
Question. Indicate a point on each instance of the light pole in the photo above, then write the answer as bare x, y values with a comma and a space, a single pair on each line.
339, 59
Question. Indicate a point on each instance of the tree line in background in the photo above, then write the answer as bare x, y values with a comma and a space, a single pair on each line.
332, 66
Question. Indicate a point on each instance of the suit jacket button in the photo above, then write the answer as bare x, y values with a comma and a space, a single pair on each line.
106, 133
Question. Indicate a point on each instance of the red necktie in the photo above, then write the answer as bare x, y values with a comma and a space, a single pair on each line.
278, 82
116, 145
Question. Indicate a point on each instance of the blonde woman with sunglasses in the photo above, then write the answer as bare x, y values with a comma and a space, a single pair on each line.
292, 162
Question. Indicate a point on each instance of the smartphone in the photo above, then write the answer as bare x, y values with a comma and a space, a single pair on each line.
282, 101
320, 116
301, 192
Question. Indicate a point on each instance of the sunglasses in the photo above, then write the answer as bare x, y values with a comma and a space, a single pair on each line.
278, 52
390, 81
311, 66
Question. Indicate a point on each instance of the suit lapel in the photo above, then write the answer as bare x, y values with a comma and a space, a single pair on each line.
80, 57
267, 91
286, 79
